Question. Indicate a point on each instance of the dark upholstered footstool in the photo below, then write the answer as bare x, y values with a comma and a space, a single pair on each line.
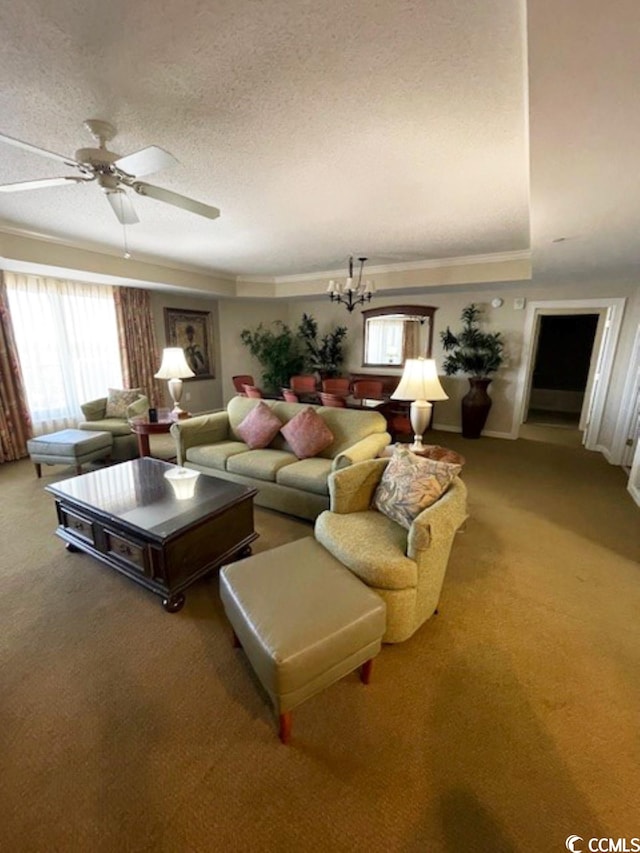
69, 447
303, 620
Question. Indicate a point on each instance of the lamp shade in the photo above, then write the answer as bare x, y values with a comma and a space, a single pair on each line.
419, 381
174, 365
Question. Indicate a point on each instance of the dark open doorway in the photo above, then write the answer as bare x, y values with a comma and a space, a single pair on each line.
561, 369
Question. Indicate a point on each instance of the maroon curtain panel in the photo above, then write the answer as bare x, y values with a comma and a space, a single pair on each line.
138, 351
15, 421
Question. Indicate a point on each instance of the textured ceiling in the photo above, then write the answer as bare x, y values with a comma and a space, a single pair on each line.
399, 130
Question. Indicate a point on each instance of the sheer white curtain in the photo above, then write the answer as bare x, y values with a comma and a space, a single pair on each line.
67, 342
384, 340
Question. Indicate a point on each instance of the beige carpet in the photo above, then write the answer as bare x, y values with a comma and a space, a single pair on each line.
507, 723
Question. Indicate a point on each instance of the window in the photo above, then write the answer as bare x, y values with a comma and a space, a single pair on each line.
67, 339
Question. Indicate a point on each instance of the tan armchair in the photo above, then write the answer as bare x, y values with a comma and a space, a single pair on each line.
125, 442
405, 567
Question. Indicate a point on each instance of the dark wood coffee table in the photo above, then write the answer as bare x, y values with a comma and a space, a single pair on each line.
128, 517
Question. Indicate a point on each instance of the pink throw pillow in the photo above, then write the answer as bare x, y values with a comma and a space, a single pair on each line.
259, 427
307, 434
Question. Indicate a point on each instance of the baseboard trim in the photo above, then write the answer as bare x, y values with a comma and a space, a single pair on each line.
487, 432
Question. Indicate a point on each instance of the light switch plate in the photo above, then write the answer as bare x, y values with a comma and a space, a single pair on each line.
518, 304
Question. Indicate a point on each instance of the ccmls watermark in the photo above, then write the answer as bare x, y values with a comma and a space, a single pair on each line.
578, 844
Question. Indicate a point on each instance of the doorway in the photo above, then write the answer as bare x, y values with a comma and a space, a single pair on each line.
562, 360
609, 311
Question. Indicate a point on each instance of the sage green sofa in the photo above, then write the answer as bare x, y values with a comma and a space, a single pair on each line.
210, 444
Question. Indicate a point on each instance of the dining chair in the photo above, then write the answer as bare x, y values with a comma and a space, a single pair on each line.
240, 381
252, 391
334, 400
304, 384
367, 388
336, 386
289, 396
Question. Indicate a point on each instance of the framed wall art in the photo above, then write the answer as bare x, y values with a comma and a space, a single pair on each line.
192, 331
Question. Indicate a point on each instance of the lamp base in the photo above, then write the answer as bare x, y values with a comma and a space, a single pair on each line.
420, 417
177, 414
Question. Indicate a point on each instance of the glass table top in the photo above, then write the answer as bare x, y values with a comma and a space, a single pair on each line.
138, 494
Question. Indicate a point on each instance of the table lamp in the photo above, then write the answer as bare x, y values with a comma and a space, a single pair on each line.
174, 367
420, 384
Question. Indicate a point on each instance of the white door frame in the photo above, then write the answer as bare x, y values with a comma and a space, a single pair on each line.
604, 358
629, 404
633, 485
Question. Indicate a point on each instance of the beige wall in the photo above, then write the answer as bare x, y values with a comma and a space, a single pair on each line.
199, 395
444, 287
236, 315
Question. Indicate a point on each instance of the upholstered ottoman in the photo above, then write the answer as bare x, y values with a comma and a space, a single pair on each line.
303, 620
69, 447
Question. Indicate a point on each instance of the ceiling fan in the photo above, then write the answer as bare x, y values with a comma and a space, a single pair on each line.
113, 173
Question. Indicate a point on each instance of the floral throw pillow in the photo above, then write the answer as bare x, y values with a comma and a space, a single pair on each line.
307, 434
118, 399
259, 427
410, 484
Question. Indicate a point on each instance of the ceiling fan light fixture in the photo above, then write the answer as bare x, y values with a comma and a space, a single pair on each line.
114, 173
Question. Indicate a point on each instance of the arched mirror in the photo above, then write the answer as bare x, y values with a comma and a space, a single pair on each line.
395, 333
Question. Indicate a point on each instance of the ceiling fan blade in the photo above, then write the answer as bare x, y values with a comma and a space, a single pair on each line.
122, 207
41, 183
18, 143
176, 199
146, 161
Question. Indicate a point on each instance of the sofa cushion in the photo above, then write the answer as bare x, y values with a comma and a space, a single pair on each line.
94, 410
259, 427
350, 426
410, 484
116, 426
310, 475
307, 434
347, 425
260, 464
118, 399
138, 407
215, 455
371, 545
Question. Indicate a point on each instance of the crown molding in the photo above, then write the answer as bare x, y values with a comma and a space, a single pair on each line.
21, 246
102, 249
404, 266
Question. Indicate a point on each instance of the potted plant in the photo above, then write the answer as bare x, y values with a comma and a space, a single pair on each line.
322, 356
278, 351
478, 354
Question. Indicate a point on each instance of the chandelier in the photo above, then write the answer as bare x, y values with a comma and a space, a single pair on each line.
352, 292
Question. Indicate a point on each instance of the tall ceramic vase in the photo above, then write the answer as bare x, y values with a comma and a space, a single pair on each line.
475, 408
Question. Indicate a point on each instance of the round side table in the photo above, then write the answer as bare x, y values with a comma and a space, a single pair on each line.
143, 428
429, 451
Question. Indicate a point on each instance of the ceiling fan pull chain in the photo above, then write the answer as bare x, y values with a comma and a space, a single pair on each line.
127, 254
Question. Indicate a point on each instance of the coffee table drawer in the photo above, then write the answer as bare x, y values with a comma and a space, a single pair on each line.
76, 524
128, 551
